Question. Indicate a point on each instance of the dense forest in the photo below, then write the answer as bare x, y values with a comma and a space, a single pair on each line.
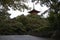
31, 24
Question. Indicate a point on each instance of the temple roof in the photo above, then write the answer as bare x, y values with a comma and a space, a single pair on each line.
33, 11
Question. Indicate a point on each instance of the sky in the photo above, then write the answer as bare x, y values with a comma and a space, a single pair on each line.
15, 13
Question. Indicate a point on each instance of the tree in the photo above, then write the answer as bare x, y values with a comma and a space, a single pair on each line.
32, 23
53, 4
14, 4
54, 12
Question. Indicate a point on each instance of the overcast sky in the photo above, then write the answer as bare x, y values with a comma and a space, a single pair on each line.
15, 13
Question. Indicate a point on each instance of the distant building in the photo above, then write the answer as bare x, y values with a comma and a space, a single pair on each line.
34, 12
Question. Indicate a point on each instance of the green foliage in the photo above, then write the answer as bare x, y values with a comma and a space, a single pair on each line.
54, 20
14, 4
22, 25
32, 23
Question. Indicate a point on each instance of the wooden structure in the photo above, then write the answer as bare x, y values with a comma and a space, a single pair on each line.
33, 11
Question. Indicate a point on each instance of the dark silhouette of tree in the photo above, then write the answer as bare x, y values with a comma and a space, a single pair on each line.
14, 4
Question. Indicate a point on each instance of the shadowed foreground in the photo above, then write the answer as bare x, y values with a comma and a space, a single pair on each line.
22, 37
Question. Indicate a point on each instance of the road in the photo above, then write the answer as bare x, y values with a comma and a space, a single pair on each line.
22, 37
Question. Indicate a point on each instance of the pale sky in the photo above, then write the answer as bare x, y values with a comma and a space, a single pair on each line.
15, 13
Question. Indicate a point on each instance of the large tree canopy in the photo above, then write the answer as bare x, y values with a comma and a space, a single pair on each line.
15, 4
53, 4
19, 4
